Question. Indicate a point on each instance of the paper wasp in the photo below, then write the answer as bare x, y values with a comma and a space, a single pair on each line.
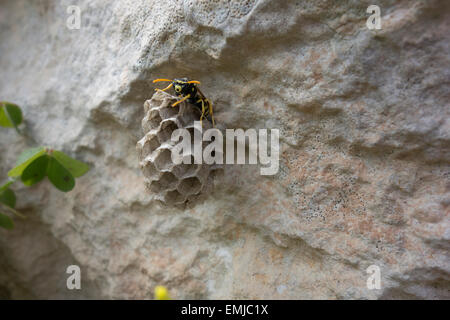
189, 91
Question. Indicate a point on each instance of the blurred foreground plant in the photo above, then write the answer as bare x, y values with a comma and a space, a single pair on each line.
33, 165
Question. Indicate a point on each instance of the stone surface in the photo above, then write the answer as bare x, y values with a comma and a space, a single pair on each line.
365, 148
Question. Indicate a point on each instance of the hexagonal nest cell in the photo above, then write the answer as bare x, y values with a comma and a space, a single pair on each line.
171, 184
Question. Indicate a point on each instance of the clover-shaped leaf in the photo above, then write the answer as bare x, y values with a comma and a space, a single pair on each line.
34, 164
10, 115
75, 167
59, 176
35, 171
25, 159
6, 222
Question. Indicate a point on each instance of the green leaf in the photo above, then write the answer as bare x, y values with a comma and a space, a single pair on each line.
10, 115
6, 185
35, 171
59, 176
8, 198
6, 222
27, 154
26, 157
75, 167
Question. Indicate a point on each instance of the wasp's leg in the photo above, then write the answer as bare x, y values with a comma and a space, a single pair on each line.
168, 87
203, 111
180, 101
211, 112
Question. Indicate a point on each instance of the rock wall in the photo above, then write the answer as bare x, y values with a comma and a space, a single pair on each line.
364, 133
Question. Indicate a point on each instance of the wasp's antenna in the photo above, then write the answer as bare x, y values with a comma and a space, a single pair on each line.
159, 80
194, 81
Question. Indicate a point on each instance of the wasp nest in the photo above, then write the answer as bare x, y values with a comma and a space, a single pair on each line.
170, 183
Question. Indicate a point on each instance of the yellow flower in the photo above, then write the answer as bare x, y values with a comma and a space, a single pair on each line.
161, 293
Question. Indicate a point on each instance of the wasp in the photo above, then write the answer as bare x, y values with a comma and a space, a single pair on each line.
189, 91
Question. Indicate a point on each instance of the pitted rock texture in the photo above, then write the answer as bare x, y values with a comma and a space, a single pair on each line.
364, 124
173, 184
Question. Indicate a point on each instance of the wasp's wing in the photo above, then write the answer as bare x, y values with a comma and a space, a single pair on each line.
200, 93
